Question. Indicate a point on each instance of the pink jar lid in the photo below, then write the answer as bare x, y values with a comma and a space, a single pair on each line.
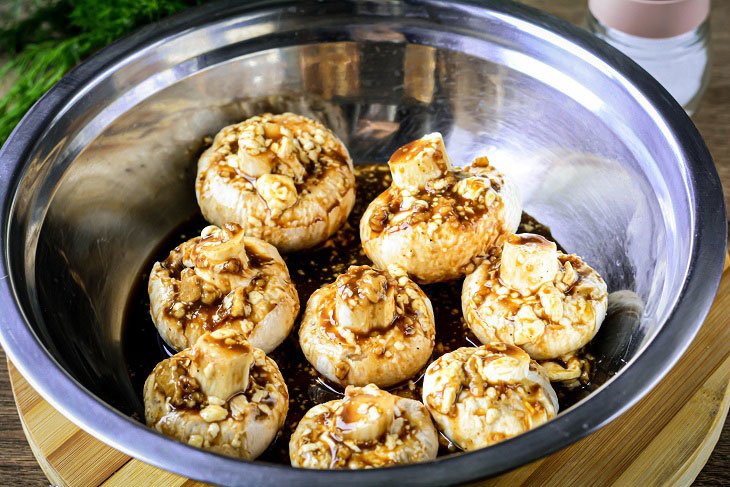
656, 19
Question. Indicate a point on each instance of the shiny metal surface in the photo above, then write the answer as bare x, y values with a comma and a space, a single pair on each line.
102, 168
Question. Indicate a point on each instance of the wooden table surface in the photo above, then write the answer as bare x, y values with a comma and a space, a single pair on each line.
18, 467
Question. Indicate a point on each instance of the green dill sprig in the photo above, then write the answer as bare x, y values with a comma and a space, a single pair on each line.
56, 35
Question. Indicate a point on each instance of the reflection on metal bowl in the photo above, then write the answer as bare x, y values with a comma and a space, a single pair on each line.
102, 168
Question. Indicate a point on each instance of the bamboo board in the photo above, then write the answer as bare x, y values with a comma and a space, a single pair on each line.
665, 439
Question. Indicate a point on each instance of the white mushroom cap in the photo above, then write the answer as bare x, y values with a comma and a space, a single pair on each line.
221, 395
369, 326
223, 279
479, 396
284, 178
548, 318
367, 428
430, 210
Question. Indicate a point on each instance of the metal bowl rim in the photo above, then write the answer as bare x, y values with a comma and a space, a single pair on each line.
47, 377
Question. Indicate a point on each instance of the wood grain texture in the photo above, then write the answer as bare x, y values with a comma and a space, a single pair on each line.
18, 466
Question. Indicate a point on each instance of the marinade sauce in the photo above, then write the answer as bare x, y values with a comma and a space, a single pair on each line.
143, 348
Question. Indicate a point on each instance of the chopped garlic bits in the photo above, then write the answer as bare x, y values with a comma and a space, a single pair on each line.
479, 396
571, 370
436, 222
533, 296
223, 279
368, 428
369, 326
222, 395
284, 178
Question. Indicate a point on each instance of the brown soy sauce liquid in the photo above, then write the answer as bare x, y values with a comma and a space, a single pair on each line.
143, 348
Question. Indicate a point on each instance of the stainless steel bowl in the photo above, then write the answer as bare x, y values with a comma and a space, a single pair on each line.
101, 169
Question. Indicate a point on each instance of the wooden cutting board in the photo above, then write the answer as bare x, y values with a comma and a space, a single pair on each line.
665, 439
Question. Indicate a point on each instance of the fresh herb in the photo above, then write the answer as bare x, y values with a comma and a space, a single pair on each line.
50, 39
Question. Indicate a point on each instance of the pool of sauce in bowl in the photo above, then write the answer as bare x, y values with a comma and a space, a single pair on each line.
143, 348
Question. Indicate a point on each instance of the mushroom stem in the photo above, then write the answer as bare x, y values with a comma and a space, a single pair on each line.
528, 262
225, 246
365, 299
220, 362
367, 413
278, 191
420, 161
499, 362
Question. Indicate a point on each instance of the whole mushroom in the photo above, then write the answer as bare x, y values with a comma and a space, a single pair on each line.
369, 326
223, 279
367, 428
436, 222
284, 178
479, 396
221, 395
548, 303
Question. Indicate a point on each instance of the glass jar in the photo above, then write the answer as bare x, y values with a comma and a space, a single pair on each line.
681, 63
